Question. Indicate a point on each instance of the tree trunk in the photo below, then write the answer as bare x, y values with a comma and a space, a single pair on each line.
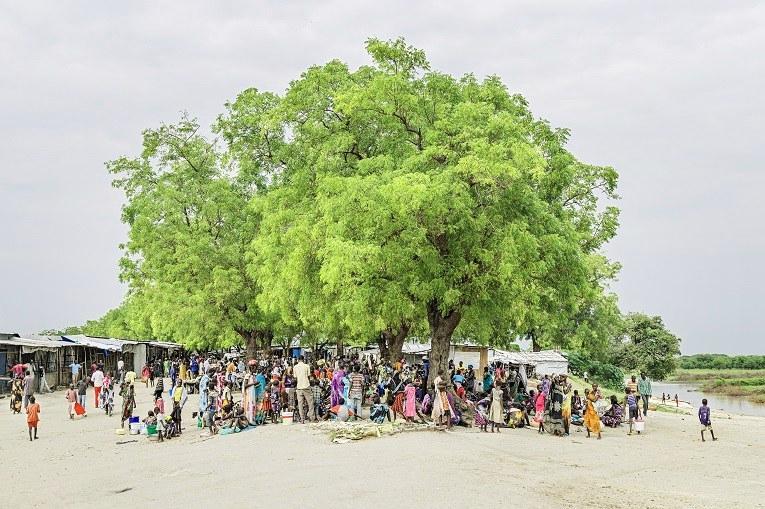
256, 341
396, 342
442, 326
382, 344
534, 342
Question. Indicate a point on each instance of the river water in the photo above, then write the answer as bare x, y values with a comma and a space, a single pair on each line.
693, 395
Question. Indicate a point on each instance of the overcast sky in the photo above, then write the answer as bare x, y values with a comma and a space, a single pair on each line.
669, 93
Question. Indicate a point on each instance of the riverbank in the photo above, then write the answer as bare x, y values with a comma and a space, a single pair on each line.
742, 383
78, 463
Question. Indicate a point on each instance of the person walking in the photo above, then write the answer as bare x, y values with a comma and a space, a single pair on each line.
305, 403
98, 383
33, 417
82, 390
29, 388
644, 388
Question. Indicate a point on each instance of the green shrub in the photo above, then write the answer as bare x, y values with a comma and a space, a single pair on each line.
603, 373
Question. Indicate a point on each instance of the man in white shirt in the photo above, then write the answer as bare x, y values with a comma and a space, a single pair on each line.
98, 382
303, 390
121, 370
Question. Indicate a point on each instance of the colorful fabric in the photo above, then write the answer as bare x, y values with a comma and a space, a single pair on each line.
591, 419
410, 407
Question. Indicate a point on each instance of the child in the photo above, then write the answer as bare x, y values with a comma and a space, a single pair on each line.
71, 398
150, 419
634, 410
705, 419
275, 402
160, 415
496, 410
33, 417
379, 411
159, 402
539, 409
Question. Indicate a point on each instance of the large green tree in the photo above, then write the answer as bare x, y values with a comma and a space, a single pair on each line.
646, 345
188, 233
399, 194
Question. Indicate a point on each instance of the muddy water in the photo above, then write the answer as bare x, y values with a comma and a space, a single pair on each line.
692, 394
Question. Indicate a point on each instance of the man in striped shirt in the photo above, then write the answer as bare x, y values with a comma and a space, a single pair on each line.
356, 392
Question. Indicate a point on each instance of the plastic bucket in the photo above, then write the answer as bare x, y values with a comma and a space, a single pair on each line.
287, 418
135, 420
151, 430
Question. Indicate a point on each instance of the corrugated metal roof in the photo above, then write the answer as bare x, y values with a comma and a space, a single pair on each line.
39, 344
415, 348
529, 358
166, 344
110, 344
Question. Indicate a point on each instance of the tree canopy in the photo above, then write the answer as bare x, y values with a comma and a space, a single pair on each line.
370, 204
646, 345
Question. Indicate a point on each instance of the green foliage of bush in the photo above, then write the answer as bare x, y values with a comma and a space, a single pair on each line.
606, 374
720, 361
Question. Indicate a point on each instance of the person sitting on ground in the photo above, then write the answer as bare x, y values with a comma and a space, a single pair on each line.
613, 416
378, 411
150, 419
341, 412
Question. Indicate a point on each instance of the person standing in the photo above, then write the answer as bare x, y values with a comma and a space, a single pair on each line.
304, 396
488, 380
591, 418
82, 390
98, 382
356, 392
29, 388
441, 406
128, 403
248, 391
706, 420
644, 388
179, 400
204, 391
33, 417
71, 399
75, 367
121, 370
632, 385
496, 410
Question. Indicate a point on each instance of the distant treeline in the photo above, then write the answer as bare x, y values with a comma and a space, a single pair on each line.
721, 361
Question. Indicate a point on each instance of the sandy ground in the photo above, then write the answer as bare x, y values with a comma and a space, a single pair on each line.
79, 463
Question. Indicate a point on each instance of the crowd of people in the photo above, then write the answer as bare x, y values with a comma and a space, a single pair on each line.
235, 395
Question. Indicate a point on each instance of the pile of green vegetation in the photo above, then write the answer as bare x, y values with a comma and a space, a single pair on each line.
721, 361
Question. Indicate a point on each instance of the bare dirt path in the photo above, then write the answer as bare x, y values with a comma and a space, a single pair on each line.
80, 464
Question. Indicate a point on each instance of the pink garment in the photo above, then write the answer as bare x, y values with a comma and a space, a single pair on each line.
539, 404
409, 404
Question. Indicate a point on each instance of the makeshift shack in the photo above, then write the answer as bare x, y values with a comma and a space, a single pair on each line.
534, 364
